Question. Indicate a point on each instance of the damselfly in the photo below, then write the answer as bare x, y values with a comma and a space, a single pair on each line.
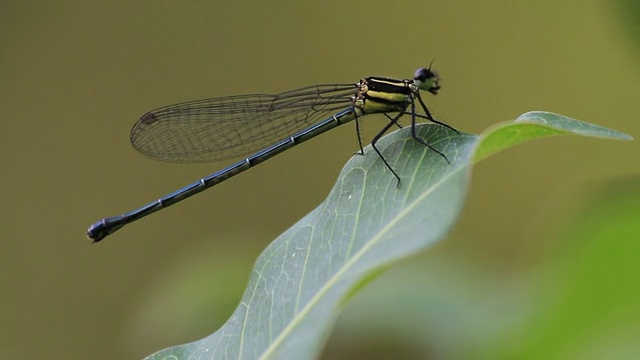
226, 127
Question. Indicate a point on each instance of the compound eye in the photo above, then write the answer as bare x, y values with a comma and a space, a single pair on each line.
423, 74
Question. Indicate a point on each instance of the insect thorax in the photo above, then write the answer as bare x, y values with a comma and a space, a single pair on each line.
379, 94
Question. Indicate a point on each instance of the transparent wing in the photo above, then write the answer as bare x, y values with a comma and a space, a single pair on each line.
228, 127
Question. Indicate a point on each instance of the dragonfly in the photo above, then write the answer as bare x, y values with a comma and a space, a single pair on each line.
265, 125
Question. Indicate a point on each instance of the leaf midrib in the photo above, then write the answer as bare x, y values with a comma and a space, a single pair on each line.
334, 279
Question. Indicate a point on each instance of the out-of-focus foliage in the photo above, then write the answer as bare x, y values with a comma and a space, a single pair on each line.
630, 19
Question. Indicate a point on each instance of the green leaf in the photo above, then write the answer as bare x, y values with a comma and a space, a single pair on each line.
366, 223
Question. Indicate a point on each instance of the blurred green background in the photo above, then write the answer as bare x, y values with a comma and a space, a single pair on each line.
542, 264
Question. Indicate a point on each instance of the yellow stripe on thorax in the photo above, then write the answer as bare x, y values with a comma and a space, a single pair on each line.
389, 101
